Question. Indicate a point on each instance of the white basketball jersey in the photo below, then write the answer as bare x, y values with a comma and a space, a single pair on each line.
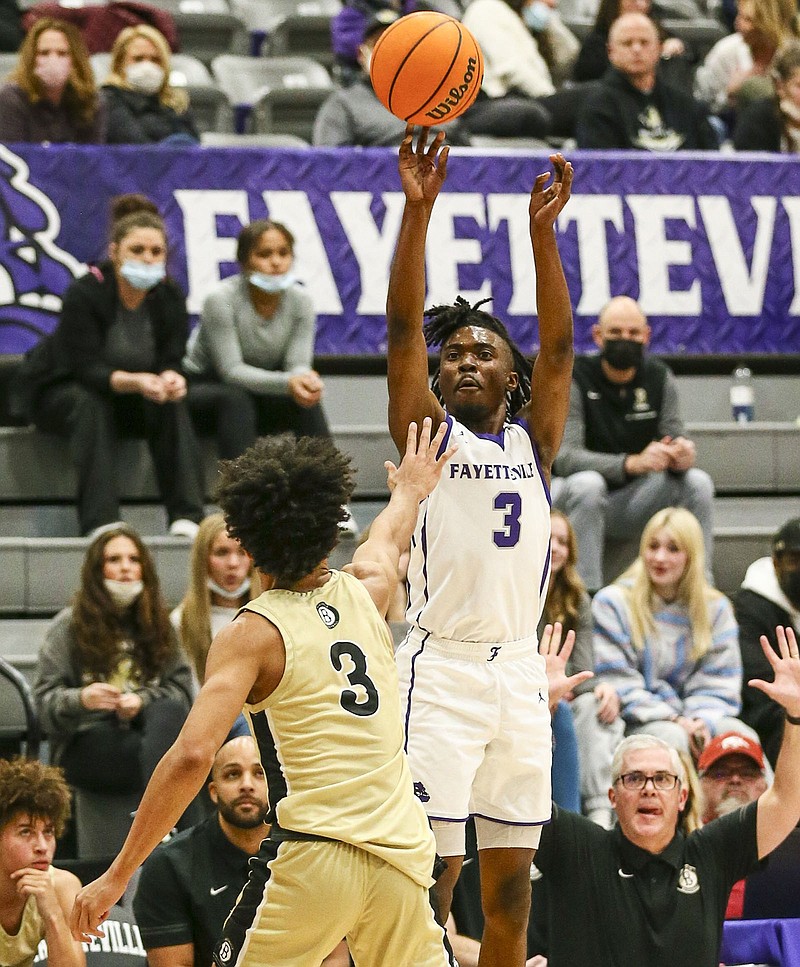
480, 554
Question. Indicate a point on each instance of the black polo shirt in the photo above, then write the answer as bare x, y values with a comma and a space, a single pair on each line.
187, 888
611, 904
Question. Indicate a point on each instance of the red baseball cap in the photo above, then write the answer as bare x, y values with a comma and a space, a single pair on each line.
730, 743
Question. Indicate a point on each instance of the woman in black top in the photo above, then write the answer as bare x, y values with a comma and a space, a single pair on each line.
51, 95
112, 368
143, 107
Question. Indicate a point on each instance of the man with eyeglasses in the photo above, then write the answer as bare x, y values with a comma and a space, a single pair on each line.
644, 893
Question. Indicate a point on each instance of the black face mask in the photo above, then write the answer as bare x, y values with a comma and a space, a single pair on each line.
622, 353
790, 585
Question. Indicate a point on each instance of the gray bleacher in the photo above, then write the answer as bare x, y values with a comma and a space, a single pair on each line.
756, 469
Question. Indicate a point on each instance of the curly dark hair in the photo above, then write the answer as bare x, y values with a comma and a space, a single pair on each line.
283, 501
29, 788
442, 321
99, 625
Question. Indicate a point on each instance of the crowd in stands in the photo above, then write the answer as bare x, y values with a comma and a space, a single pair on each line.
636, 80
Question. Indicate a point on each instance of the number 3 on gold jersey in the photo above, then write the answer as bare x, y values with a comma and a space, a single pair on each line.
349, 699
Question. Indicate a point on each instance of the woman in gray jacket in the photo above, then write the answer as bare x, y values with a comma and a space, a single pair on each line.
113, 686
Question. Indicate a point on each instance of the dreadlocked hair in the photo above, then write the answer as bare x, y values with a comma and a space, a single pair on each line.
442, 321
283, 501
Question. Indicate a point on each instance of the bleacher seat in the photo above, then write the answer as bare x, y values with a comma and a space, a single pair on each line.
262, 18
194, 6
247, 79
223, 139
698, 35
302, 35
207, 35
289, 110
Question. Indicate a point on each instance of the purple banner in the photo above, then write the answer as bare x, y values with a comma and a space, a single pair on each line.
709, 244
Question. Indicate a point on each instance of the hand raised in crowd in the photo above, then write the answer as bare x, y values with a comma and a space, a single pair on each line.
175, 385
422, 172
785, 687
546, 203
556, 657
100, 697
306, 388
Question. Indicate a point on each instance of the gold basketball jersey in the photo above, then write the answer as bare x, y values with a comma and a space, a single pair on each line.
330, 736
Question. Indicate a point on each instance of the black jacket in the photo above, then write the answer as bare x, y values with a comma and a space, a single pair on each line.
136, 118
618, 115
74, 351
759, 126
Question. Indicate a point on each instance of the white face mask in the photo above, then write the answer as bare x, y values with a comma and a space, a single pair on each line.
145, 77
215, 588
53, 71
123, 593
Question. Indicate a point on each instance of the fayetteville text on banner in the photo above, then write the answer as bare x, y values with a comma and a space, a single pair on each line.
709, 244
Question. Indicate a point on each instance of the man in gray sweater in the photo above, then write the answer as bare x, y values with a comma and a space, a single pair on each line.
624, 455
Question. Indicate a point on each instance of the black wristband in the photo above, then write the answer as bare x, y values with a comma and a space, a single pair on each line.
792, 719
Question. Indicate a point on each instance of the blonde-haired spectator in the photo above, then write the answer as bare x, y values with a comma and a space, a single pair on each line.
51, 94
221, 580
143, 107
668, 643
737, 68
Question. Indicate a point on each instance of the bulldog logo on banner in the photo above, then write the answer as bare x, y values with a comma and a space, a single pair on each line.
34, 271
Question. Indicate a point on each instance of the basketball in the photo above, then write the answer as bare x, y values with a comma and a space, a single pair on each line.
426, 68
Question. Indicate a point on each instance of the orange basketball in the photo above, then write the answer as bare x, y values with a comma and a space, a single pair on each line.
426, 68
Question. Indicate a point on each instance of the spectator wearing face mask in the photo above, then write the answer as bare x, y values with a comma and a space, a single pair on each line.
353, 115
143, 108
221, 581
51, 95
625, 454
113, 686
112, 368
770, 593
256, 340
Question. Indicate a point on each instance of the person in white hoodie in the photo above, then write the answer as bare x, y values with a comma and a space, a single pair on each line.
769, 596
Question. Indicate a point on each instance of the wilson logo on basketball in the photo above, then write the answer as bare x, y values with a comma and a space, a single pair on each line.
456, 95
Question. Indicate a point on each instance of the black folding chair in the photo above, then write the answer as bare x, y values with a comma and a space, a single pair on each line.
19, 724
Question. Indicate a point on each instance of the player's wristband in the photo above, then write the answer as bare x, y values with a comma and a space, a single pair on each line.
793, 719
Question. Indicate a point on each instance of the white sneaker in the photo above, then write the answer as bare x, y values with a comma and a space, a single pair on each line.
348, 529
184, 528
